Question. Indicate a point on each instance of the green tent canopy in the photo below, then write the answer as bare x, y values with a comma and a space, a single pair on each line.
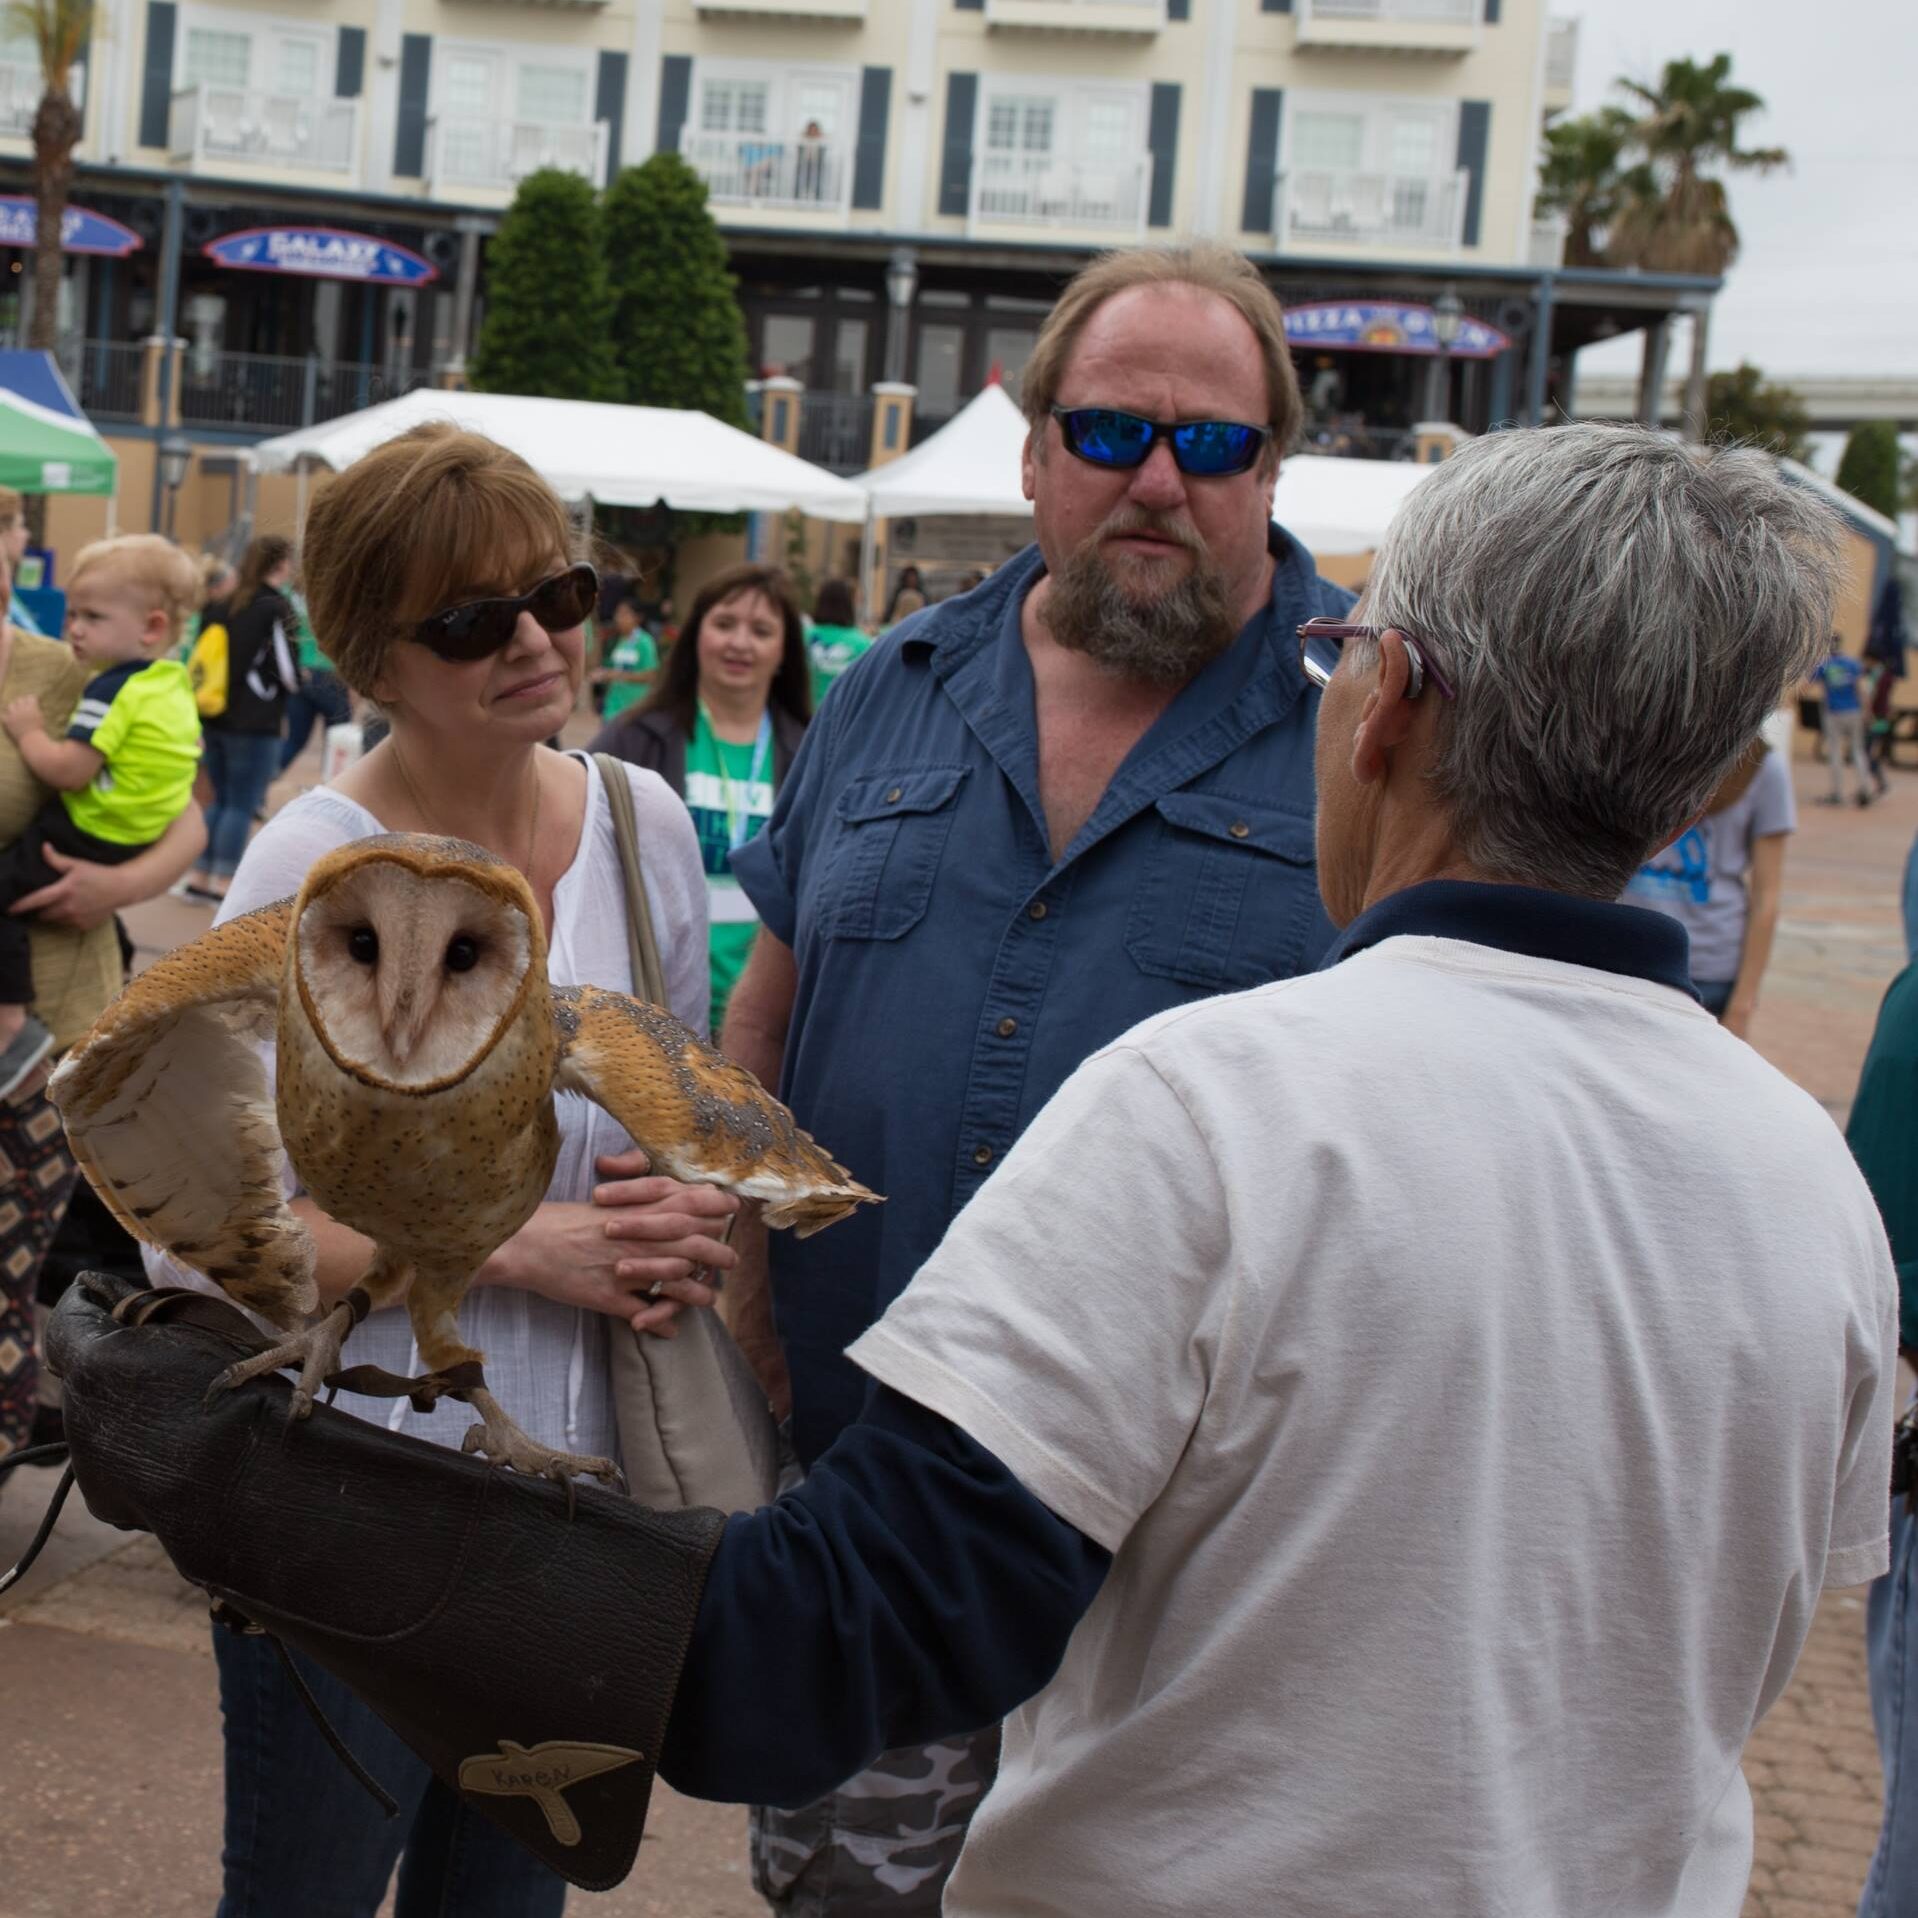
47, 445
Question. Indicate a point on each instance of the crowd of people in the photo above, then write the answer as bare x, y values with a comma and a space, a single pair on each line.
1284, 1436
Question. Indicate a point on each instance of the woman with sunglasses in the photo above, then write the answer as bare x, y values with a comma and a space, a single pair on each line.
444, 575
721, 726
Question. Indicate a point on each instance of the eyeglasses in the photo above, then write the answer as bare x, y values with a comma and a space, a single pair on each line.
1205, 449
1322, 645
482, 626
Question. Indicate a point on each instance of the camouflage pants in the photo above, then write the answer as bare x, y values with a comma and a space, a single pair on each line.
882, 1845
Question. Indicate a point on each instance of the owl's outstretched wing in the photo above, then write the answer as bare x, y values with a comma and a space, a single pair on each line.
171, 1117
699, 1117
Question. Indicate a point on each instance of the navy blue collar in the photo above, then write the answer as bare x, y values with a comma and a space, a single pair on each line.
1543, 925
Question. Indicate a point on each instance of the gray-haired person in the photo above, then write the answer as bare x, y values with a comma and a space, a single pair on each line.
1381, 1435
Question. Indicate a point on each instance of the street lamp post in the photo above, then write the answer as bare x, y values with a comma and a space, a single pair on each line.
1448, 315
176, 455
902, 282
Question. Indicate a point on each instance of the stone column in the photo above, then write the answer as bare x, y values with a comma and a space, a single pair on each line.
891, 435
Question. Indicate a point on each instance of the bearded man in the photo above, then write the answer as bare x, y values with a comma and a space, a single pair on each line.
1026, 820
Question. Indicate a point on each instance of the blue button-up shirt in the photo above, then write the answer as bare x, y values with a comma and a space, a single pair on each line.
952, 973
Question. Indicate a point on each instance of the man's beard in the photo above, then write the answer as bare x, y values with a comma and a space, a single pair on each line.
1161, 638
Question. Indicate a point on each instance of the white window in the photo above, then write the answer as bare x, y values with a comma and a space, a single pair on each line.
553, 96
734, 106
805, 103
1404, 138
240, 53
468, 81
298, 58
216, 58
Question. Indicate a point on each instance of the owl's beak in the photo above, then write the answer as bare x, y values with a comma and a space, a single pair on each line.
404, 1005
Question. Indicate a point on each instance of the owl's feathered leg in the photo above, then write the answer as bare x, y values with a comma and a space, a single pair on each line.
316, 1349
433, 1304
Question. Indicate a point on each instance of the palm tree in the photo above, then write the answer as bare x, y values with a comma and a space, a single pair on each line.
1584, 179
1687, 128
59, 30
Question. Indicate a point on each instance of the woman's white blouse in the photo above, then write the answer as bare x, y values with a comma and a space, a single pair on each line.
545, 1362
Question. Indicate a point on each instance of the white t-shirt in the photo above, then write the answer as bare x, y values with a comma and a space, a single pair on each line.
546, 1363
1477, 1365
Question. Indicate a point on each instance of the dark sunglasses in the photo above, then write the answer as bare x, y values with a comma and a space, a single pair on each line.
482, 626
1205, 449
1322, 645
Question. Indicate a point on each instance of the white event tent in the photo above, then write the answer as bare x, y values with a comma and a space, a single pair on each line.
1340, 505
971, 465
615, 455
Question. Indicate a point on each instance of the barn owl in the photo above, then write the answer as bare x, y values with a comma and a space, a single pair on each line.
419, 1048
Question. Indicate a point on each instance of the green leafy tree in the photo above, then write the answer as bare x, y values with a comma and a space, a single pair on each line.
1586, 178
1687, 129
677, 330
1743, 408
548, 310
1869, 467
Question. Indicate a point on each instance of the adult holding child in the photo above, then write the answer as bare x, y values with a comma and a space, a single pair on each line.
445, 580
75, 971
243, 738
721, 727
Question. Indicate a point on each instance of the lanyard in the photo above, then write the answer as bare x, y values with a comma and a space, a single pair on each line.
738, 819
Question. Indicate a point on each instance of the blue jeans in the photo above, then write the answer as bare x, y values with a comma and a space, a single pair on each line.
323, 697
305, 1840
241, 766
1891, 1647
1714, 994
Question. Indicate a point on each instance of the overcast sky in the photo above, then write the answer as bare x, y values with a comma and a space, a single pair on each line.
1827, 280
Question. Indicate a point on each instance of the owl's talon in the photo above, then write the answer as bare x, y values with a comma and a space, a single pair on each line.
316, 1351
499, 1440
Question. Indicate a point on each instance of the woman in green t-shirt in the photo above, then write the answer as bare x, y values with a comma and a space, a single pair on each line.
721, 726
836, 639
631, 661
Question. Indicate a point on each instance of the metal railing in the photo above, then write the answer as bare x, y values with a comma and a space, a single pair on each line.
750, 169
1561, 55
1041, 189
835, 431
1014, 13
264, 129
471, 149
104, 375
1424, 13
1392, 209
276, 393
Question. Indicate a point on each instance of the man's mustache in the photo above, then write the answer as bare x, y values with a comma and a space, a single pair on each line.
1127, 522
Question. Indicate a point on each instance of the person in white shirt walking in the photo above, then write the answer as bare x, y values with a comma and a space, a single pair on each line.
1369, 1478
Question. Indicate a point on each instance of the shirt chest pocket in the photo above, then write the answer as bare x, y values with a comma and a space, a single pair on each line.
889, 833
1226, 895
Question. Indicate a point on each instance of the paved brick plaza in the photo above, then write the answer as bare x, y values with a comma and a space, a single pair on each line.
112, 1724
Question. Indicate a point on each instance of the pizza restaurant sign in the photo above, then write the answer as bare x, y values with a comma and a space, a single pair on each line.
1380, 326
321, 253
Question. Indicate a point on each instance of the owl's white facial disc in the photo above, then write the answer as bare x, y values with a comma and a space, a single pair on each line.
409, 977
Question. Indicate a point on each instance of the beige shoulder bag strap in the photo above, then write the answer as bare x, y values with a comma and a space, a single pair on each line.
694, 1426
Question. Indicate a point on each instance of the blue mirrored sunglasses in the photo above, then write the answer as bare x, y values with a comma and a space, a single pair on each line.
1205, 449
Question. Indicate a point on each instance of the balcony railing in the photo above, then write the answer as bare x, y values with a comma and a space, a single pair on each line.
788, 176
1041, 189
227, 125
474, 150
828, 10
275, 393
1561, 57
1373, 209
1077, 16
1393, 26
835, 431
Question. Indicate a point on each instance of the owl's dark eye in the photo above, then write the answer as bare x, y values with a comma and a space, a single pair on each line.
462, 953
364, 944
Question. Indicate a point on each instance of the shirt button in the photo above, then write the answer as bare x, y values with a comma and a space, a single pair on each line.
1037, 910
982, 1155
894, 797
1239, 829
1007, 1027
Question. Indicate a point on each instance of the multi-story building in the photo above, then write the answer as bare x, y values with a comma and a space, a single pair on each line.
904, 184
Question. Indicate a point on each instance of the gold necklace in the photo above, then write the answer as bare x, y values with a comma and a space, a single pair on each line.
426, 813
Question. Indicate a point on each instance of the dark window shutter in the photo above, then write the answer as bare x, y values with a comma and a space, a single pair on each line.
1491, 13
869, 156
955, 166
1178, 9
409, 138
609, 104
156, 83
1262, 161
349, 69
1275, 6
1474, 130
675, 90
970, 6
1162, 141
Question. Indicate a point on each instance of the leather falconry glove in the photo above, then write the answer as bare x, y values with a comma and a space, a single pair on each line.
418, 1576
